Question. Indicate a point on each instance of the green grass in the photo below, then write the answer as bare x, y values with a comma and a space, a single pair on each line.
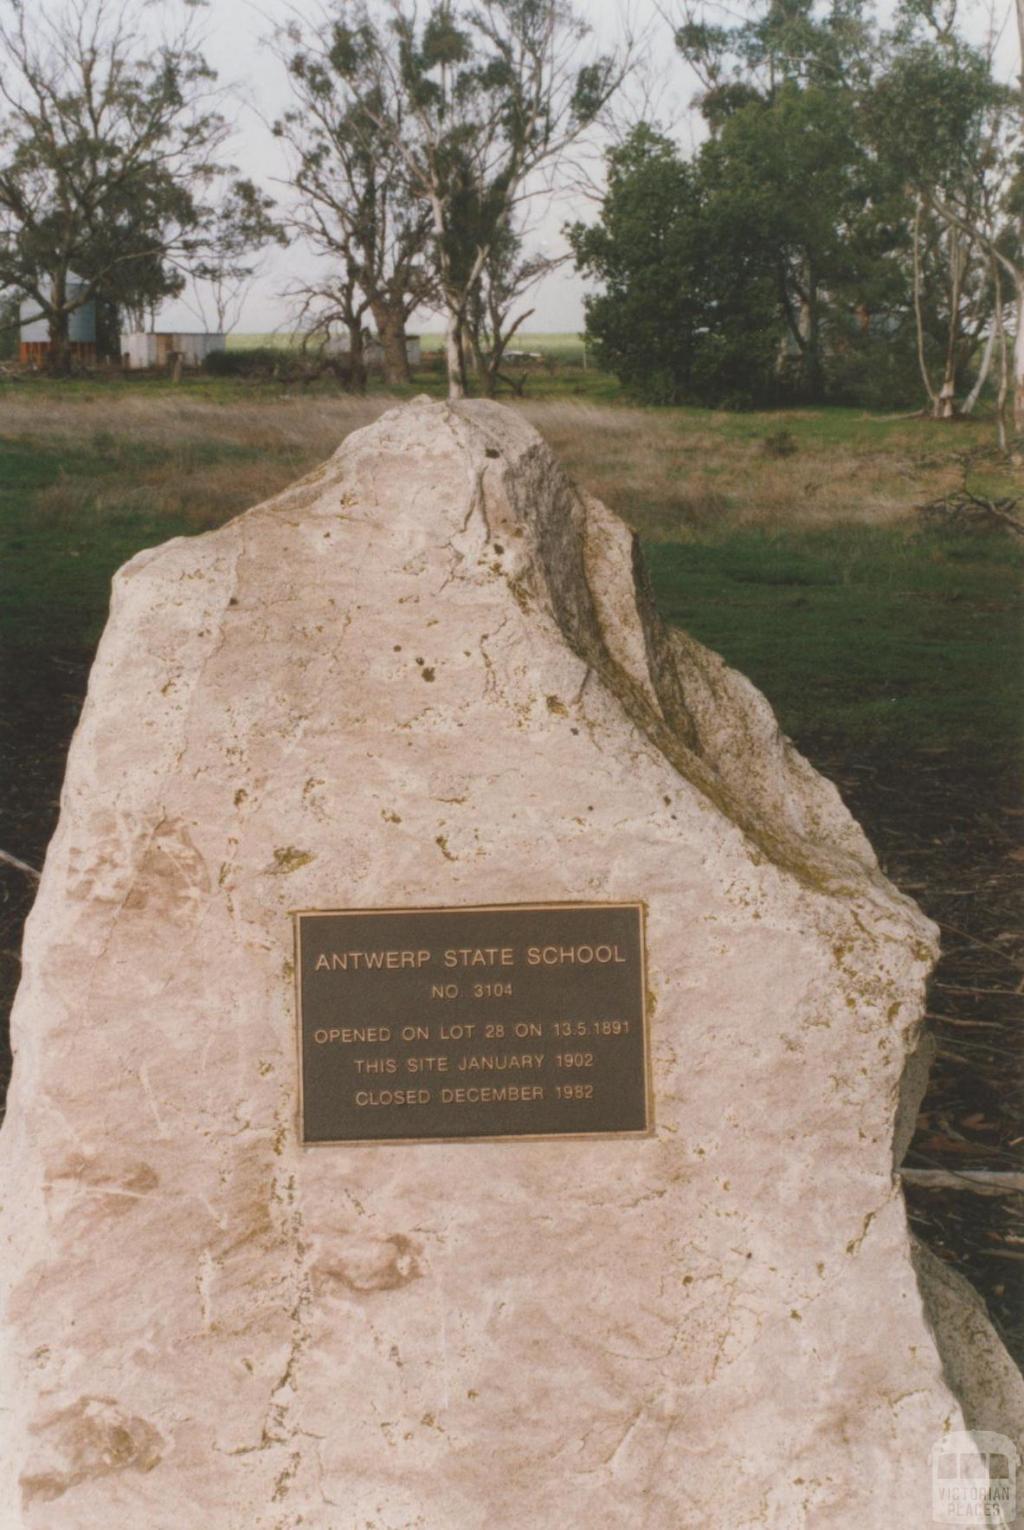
565, 379
277, 339
865, 638
565, 347
891, 637
102, 388
56, 568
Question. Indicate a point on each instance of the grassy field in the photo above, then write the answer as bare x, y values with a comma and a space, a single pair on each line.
814, 570
567, 348
564, 348
888, 640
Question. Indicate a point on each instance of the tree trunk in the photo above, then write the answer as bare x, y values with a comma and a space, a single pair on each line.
481, 366
59, 358
944, 405
463, 370
922, 362
391, 331
356, 356
814, 382
453, 355
983, 370
108, 330
1018, 362
810, 336
454, 312
1004, 368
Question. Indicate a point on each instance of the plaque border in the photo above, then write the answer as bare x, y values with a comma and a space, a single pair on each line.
644, 1133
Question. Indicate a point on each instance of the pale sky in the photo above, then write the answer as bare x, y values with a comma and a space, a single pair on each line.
235, 30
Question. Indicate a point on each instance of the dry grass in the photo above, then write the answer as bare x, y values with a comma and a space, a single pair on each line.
164, 418
670, 473
194, 460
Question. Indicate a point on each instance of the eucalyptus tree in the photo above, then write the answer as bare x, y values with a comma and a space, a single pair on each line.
780, 94
775, 42
939, 118
354, 203
953, 303
479, 103
111, 167
954, 130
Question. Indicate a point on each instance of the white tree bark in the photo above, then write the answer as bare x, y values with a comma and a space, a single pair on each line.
918, 315
983, 371
1004, 370
453, 356
1018, 360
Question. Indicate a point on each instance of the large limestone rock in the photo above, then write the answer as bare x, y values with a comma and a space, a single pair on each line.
429, 674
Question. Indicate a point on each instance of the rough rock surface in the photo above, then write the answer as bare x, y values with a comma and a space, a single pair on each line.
430, 674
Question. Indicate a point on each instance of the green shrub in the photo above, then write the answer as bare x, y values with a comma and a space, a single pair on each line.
251, 361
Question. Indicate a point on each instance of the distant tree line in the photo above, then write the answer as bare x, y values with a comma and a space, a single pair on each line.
850, 229
418, 133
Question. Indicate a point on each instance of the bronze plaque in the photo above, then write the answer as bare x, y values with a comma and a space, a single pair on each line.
446, 1024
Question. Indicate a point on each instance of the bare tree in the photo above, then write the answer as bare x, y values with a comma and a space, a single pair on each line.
223, 278
494, 313
218, 304
326, 305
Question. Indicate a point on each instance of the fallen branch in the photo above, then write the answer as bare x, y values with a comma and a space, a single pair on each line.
979, 1181
964, 508
1000, 509
12, 860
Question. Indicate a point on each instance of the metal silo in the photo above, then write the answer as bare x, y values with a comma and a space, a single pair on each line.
35, 327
